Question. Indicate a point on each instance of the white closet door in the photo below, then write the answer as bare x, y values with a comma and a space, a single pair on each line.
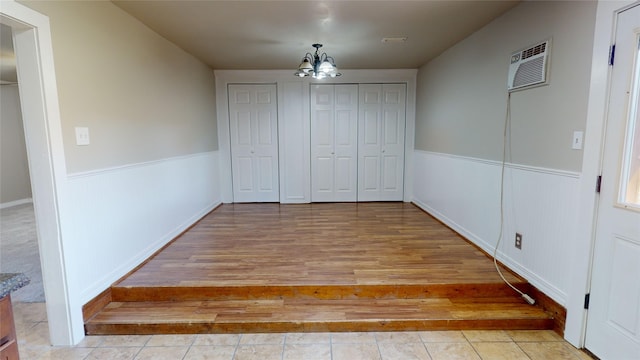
334, 147
253, 126
381, 128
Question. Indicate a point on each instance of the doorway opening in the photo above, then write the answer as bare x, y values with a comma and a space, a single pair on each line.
43, 139
19, 251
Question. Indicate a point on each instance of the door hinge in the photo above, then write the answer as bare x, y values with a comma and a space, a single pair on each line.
598, 183
586, 301
612, 54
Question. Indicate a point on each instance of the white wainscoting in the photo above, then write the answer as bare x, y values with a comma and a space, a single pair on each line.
118, 217
539, 203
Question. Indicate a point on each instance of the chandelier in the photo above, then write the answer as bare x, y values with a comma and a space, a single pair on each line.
317, 66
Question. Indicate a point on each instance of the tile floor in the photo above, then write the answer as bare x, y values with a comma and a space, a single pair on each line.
19, 251
33, 342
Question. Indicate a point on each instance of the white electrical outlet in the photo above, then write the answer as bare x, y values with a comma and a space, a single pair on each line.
82, 136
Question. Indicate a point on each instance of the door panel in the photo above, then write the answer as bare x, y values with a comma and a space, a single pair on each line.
389, 173
344, 183
370, 130
323, 131
253, 127
264, 128
334, 142
613, 326
264, 96
391, 128
344, 135
623, 297
243, 133
381, 129
371, 172
245, 174
324, 179
265, 167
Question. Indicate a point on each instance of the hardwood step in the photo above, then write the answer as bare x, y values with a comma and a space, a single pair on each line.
317, 315
269, 292
315, 267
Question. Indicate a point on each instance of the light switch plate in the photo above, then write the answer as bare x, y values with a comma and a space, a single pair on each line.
82, 136
576, 144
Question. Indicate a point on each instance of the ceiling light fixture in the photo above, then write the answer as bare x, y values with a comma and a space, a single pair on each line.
317, 66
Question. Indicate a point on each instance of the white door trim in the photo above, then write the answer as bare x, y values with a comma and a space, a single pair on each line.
43, 132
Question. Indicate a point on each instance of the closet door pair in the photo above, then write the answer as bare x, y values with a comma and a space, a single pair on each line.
357, 142
334, 143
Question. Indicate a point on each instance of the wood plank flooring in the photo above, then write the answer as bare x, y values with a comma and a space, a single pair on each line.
316, 267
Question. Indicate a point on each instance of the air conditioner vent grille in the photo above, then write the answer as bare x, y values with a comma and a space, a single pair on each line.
529, 73
529, 67
533, 51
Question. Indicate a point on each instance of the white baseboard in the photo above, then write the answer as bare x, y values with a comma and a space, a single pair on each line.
15, 203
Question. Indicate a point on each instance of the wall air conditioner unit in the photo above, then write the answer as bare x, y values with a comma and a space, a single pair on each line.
529, 67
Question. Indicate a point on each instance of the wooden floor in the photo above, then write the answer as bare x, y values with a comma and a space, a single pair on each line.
316, 267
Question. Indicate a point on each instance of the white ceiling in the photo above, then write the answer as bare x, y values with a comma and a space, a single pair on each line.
267, 34
276, 34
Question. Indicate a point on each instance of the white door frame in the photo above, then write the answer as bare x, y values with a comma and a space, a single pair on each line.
43, 135
581, 262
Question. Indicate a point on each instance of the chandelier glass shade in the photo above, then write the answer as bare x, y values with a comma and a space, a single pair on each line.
318, 66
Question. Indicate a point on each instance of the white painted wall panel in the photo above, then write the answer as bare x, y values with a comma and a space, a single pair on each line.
541, 204
123, 215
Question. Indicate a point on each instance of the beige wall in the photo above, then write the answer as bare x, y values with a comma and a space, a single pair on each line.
141, 97
462, 97
14, 169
